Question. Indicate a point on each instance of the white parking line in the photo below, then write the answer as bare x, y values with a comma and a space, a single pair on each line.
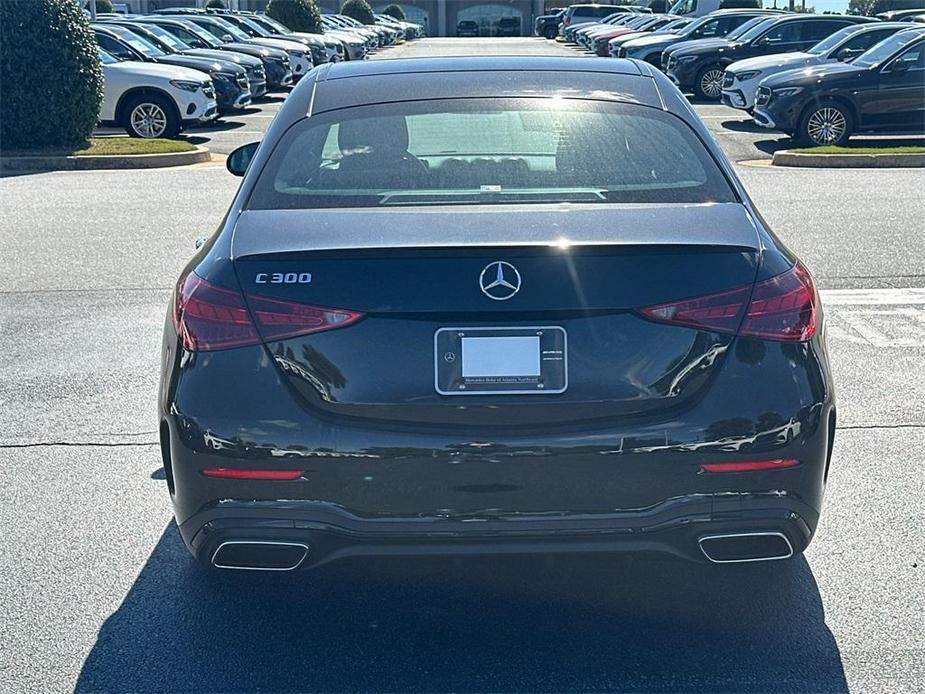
878, 317
866, 297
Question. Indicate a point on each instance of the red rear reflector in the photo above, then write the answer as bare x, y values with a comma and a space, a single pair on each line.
237, 474
750, 465
208, 317
784, 307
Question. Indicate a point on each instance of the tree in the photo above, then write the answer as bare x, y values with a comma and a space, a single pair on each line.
359, 10
217, 4
871, 7
395, 11
103, 6
861, 7
297, 15
51, 96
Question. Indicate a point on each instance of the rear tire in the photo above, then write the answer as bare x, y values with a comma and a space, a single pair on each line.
825, 123
709, 83
551, 32
149, 116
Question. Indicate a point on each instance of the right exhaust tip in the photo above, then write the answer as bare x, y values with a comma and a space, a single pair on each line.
259, 555
737, 548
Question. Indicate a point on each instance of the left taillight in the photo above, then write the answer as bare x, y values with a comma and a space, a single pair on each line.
784, 307
208, 317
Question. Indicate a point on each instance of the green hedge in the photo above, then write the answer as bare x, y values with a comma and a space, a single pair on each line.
50, 72
359, 10
395, 11
297, 15
217, 4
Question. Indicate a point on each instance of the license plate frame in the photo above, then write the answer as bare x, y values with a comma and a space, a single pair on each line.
553, 362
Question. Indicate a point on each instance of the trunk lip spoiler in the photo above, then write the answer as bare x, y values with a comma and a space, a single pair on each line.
719, 225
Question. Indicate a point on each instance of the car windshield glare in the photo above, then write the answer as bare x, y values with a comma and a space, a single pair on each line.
140, 44
489, 151
885, 49
165, 36
757, 30
745, 27
106, 58
830, 42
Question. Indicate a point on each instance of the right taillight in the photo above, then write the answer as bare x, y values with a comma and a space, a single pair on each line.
784, 307
208, 317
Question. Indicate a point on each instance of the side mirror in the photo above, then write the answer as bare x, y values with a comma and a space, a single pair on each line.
227, 38
900, 65
238, 161
844, 55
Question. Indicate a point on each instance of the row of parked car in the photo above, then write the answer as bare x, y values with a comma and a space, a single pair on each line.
818, 78
176, 68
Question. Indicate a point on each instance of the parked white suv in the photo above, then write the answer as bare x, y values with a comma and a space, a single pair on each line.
152, 99
741, 78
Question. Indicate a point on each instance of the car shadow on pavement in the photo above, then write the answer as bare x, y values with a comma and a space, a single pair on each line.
477, 624
227, 123
744, 126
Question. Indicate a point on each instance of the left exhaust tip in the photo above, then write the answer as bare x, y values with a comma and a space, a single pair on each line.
259, 555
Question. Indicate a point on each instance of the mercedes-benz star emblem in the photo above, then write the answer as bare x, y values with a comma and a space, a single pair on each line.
499, 280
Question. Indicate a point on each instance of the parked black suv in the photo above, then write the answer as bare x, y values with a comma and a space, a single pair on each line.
881, 90
508, 26
699, 68
467, 27
547, 25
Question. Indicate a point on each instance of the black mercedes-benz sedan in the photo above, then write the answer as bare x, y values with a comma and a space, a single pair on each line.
492, 305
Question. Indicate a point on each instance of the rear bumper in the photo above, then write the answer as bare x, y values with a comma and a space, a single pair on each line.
673, 528
378, 488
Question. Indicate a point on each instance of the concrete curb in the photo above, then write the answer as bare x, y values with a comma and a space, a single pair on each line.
118, 161
846, 161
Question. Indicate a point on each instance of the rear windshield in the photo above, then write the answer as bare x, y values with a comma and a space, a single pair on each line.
489, 151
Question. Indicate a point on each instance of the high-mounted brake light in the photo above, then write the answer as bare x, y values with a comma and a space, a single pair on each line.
783, 307
208, 317
750, 465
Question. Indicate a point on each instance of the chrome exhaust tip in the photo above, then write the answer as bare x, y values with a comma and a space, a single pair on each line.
259, 555
737, 548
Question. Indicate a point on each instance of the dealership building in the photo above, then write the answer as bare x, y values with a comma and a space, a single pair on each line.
439, 17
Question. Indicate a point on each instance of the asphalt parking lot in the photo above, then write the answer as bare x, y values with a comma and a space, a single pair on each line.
100, 595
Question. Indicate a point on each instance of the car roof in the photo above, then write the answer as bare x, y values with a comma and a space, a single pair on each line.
408, 66
359, 83
823, 17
